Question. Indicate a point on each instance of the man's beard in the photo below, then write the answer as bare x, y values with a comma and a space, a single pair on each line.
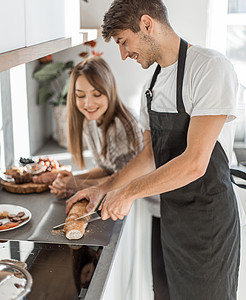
150, 50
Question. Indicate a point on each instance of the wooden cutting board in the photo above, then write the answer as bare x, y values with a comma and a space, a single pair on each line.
24, 188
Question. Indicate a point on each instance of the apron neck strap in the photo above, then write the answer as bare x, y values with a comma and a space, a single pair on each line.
180, 75
148, 93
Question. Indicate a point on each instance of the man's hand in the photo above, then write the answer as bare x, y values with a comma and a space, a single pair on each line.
92, 194
116, 205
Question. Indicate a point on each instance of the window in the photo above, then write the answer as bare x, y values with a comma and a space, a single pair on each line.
236, 6
236, 52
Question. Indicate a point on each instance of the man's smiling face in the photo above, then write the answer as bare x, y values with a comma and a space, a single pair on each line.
138, 46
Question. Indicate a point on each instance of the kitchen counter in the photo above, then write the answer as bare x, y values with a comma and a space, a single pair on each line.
47, 211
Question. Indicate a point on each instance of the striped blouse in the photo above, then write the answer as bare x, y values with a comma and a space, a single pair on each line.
117, 153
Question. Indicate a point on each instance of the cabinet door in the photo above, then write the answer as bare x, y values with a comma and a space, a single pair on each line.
45, 20
12, 25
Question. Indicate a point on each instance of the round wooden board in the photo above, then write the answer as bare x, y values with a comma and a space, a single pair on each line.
24, 188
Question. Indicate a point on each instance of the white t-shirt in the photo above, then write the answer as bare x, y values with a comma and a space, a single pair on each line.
209, 88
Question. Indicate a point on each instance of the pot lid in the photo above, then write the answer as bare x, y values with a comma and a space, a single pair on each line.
15, 281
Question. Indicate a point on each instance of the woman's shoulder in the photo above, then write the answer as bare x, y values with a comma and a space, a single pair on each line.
116, 131
115, 126
123, 125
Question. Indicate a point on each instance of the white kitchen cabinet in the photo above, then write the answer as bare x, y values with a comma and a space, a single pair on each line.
72, 17
25, 23
12, 25
44, 20
47, 20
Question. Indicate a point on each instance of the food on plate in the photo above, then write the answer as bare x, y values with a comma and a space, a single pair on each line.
75, 229
24, 177
4, 215
8, 225
19, 174
20, 214
12, 220
50, 165
24, 174
34, 168
25, 161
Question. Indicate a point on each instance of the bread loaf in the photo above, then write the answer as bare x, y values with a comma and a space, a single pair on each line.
75, 229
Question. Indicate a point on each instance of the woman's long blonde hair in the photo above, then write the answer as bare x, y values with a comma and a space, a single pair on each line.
100, 76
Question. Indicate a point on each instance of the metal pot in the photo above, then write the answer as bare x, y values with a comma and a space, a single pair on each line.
15, 281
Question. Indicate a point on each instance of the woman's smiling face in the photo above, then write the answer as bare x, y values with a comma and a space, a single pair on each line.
89, 101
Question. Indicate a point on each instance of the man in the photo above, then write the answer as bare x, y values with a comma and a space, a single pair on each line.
186, 114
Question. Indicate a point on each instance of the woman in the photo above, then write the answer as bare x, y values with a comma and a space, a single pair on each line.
98, 120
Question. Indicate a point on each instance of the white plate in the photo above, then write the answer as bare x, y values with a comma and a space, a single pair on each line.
14, 209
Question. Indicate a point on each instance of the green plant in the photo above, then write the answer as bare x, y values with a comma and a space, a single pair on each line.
53, 77
53, 86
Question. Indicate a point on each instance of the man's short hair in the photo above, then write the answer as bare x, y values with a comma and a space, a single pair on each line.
126, 14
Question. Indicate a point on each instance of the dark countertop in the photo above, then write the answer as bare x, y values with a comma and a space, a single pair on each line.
37, 204
46, 212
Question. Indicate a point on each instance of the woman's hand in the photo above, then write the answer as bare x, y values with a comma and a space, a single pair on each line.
62, 180
65, 180
61, 194
59, 187
46, 178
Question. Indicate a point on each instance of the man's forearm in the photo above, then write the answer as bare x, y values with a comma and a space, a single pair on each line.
185, 168
175, 174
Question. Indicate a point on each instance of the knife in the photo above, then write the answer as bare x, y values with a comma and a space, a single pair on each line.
90, 217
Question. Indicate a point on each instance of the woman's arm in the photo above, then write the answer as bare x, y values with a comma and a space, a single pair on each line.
66, 185
93, 173
142, 164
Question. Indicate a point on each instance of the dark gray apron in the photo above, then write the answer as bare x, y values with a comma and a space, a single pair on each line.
200, 230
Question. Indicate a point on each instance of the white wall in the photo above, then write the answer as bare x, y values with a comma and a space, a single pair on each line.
188, 18
91, 13
129, 75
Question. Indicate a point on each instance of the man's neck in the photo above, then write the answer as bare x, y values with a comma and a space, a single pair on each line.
169, 45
